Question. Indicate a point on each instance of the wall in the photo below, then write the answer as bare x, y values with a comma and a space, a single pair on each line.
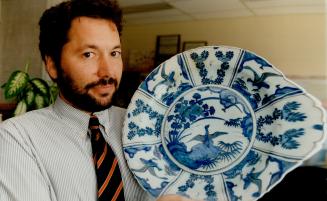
1, 42
19, 43
293, 43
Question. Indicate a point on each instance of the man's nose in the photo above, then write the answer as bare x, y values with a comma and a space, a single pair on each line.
105, 66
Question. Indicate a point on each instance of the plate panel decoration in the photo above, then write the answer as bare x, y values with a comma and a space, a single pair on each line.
219, 123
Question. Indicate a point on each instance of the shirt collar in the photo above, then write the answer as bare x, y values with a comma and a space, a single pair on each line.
78, 119
103, 117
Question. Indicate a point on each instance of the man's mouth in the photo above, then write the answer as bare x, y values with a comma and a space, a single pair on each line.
103, 84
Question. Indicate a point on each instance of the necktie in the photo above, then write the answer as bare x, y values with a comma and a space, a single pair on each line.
110, 185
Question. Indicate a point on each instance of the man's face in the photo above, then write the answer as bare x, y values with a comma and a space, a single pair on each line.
91, 64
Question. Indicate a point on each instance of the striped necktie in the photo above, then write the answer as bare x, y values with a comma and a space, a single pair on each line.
109, 180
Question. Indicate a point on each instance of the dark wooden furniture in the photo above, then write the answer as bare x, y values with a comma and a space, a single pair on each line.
7, 109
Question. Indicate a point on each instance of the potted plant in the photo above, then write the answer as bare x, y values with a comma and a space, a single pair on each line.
29, 93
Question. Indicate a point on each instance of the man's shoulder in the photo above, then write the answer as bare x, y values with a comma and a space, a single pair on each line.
118, 111
21, 127
25, 120
117, 114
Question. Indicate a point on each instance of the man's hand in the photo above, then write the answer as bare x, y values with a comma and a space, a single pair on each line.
174, 198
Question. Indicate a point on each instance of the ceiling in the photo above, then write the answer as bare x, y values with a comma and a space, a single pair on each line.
157, 11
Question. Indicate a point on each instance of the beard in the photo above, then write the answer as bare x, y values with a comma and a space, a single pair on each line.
80, 98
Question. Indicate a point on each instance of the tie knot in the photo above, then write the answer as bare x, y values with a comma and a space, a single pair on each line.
94, 122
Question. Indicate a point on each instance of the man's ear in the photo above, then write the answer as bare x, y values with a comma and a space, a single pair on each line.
51, 67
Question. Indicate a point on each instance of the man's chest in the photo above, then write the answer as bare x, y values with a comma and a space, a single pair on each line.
68, 164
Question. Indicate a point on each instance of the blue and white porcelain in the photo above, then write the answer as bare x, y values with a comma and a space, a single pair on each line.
219, 123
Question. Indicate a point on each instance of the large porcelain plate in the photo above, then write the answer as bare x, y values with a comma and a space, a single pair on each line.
219, 123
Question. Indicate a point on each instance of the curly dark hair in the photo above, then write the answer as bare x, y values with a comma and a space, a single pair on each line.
56, 22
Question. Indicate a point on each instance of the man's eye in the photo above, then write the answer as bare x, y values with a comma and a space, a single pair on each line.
115, 53
88, 54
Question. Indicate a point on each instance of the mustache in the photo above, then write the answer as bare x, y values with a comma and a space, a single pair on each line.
103, 81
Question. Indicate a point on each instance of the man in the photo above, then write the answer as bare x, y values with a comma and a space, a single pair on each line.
47, 154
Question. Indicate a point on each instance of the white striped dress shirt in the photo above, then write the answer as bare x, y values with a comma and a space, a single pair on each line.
46, 155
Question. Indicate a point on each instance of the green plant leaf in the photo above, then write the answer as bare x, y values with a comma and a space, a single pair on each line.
16, 83
29, 98
41, 86
21, 108
40, 101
